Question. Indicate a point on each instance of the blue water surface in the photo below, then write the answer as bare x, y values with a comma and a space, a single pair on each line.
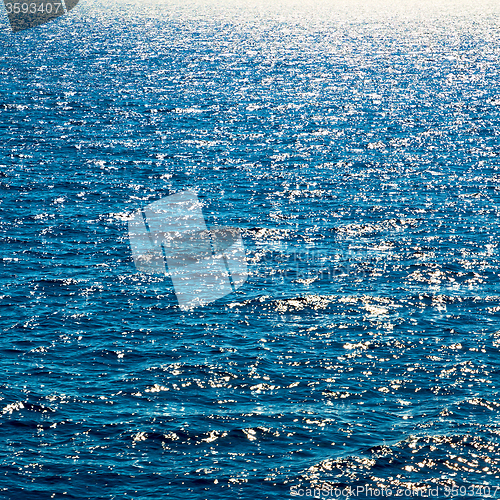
357, 147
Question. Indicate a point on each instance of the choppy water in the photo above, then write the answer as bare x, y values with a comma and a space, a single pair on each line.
356, 146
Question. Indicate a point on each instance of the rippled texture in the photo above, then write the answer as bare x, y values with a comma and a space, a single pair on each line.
356, 146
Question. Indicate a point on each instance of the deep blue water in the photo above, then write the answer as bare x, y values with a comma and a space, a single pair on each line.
357, 146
